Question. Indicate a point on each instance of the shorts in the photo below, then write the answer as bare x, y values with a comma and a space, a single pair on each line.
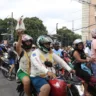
11, 61
38, 82
21, 75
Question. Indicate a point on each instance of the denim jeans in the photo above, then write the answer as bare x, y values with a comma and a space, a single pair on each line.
93, 66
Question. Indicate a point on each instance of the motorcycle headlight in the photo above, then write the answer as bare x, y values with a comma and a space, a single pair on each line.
80, 89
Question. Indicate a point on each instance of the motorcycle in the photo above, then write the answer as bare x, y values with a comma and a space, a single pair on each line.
5, 66
91, 85
75, 85
59, 86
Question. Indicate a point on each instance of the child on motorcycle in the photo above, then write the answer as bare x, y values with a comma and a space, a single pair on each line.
38, 69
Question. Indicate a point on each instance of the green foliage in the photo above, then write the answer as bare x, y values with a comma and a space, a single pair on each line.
67, 36
34, 27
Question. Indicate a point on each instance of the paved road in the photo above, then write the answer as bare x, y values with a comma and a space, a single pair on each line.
7, 88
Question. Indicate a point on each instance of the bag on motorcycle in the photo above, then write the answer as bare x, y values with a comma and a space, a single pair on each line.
85, 68
58, 87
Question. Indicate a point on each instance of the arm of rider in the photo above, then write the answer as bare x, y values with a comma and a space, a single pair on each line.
18, 45
60, 61
35, 60
78, 58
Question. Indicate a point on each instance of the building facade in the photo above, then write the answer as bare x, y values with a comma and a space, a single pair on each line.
88, 19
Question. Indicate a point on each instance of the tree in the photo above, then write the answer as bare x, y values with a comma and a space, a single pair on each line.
34, 27
67, 36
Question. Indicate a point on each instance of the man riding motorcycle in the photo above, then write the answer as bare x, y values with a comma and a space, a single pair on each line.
24, 46
39, 70
57, 49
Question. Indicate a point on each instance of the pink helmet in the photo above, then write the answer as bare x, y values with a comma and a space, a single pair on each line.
26, 37
93, 33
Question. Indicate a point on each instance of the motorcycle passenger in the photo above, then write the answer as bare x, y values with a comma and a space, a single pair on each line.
38, 68
93, 52
24, 45
79, 58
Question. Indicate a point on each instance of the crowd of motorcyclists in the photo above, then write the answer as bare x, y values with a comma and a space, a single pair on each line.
29, 61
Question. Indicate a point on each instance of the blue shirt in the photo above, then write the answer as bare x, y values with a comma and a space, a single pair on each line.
58, 52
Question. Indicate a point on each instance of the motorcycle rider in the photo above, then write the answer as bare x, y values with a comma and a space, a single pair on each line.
12, 59
57, 49
24, 46
79, 58
39, 70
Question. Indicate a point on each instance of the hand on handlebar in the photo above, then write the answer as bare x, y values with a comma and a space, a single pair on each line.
51, 75
73, 71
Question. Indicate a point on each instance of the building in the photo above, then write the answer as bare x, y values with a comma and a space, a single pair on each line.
88, 19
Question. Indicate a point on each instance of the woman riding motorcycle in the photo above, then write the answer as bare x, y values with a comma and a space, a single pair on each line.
24, 47
39, 70
79, 58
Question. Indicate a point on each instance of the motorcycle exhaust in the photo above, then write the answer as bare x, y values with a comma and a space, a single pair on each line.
2, 68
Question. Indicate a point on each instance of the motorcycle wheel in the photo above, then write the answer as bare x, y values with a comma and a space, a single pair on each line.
23, 94
5, 73
72, 91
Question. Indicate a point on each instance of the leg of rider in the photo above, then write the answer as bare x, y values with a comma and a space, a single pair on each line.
45, 90
85, 76
26, 83
12, 62
11, 69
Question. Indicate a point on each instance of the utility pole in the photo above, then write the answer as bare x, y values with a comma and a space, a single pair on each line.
56, 28
73, 25
12, 28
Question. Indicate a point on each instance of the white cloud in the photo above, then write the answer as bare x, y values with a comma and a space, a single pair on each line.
50, 11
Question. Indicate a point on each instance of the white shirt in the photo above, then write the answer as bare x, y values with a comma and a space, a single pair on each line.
38, 67
88, 51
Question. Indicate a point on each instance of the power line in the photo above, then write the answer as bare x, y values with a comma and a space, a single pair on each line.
76, 11
86, 2
84, 27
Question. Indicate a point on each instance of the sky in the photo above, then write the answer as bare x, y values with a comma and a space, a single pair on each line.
64, 12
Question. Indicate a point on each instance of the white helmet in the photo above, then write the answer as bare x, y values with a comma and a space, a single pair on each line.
93, 33
33, 45
14, 44
77, 41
